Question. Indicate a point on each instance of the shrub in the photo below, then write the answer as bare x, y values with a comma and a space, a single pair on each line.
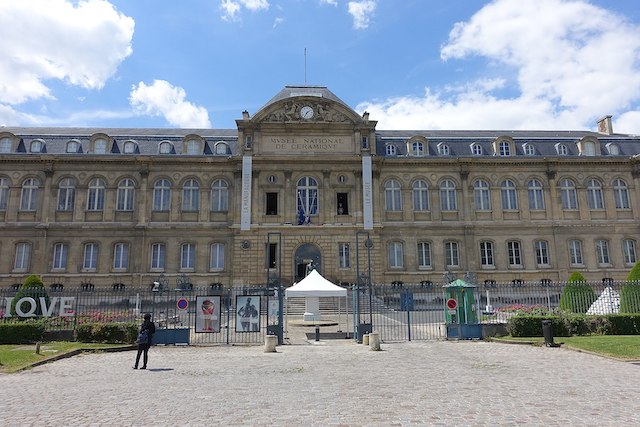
34, 288
627, 324
531, 326
630, 298
21, 332
107, 332
634, 274
577, 296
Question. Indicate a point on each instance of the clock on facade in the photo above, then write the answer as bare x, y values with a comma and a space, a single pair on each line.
306, 112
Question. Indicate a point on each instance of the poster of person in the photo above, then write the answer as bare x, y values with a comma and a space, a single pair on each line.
207, 314
248, 313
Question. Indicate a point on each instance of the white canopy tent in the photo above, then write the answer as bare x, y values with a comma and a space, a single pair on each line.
312, 288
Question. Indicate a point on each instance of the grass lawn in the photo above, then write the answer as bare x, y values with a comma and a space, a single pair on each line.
16, 357
619, 346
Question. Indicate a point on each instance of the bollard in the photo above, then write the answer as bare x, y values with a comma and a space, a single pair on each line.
365, 339
317, 333
270, 342
374, 341
38, 347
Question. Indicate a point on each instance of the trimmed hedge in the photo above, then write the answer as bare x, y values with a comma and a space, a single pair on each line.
531, 326
568, 325
26, 332
107, 332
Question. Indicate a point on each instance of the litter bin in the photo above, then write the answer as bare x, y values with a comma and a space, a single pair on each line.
547, 332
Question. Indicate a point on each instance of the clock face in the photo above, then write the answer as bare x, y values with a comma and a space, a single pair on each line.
306, 112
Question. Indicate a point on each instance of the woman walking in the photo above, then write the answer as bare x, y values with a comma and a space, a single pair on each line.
147, 329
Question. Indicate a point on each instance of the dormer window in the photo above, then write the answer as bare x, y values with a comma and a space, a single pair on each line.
561, 149
100, 146
391, 150
222, 148
73, 146
6, 145
36, 146
504, 149
443, 149
588, 148
476, 149
528, 149
165, 147
613, 149
417, 149
130, 147
193, 147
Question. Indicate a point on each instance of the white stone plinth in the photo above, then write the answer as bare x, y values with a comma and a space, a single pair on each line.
374, 341
270, 342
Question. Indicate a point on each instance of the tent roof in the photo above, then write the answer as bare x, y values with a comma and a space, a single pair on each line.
314, 285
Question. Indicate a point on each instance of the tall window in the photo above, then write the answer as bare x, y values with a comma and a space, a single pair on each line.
448, 196
509, 195
536, 195
60, 254
6, 145
23, 256
158, 255
575, 252
589, 148
95, 201
100, 146
219, 196
216, 258
594, 194
568, 194
126, 191
629, 249
344, 256
482, 195
188, 256
392, 195
542, 253
420, 196
451, 255
191, 196
193, 147
602, 252
396, 255
121, 256
504, 149
621, 194
486, 254
66, 194
417, 149
307, 198
90, 258
424, 255
29, 195
162, 195
4, 193
514, 253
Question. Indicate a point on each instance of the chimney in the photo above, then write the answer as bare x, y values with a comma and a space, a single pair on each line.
604, 125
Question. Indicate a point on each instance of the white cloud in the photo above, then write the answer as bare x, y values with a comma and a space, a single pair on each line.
573, 63
82, 43
231, 8
163, 99
628, 122
277, 22
329, 2
361, 12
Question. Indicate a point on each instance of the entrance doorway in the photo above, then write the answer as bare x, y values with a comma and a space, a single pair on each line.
305, 255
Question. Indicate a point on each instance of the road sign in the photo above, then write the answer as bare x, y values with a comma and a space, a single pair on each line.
182, 304
406, 301
452, 304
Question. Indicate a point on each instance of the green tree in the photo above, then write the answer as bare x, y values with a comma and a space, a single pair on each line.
630, 292
577, 296
34, 288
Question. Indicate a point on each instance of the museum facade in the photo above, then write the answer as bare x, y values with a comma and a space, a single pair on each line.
307, 180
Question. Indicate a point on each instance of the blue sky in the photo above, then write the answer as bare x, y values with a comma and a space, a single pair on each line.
412, 64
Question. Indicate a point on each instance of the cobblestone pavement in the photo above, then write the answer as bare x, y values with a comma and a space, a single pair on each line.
329, 383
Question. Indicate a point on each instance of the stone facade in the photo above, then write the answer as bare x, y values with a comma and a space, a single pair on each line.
292, 185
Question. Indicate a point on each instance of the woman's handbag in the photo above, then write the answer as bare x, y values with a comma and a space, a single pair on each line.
143, 337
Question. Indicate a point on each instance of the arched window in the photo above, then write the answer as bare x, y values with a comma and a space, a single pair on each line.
420, 195
190, 196
66, 194
90, 259
568, 195
37, 146
417, 149
307, 199
562, 150
193, 147
219, 196
528, 149
621, 194
448, 196
165, 147
476, 149
504, 148
95, 199
536, 195
443, 149
130, 147
391, 150
125, 195
162, 195
392, 195
222, 148
6, 145
29, 194
595, 200
73, 146
509, 195
100, 146
589, 148
613, 149
482, 195
121, 256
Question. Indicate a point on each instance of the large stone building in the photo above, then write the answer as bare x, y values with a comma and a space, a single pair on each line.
308, 179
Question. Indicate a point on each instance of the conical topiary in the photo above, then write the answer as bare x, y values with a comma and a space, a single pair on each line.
34, 288
630, 292
577, 296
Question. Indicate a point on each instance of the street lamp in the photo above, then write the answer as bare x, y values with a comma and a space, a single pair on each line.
368, 244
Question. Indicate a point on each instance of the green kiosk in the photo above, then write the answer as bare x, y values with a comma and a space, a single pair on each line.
461, 311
